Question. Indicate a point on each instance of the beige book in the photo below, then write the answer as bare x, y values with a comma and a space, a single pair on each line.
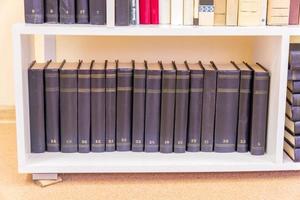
188, 12
278, 12
250, 13
206, 13
220, 12
164, 11
232, 8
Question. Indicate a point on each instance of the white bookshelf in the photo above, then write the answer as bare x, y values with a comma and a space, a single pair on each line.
267, 45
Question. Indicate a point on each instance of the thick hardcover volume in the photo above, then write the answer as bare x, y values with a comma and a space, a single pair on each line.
294, 140
291, 151
152, 113
195, 108
220, 13
206, 12
293, 112
227, 101
181, 108
245, 96
68, 107
122, 13
51, 9
252, 12
82, 11
164, 11
294, 56
67, 11
292, 126
294, 75
36, 108
52, 106
294, 86
98, 12
208, 109
188, 12
167, 108
124, 106
293, 99
98, 107
154, 5
110, 106
196, 12
294, 12
278, 12
177, 12
133, 12
84, 107
260, 105
232, 9
110, 12
138, 109
145, 11
34, 11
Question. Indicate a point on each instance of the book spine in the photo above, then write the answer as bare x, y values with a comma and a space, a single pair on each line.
110, 110
232, 8
250, 13
52, 109
195, 111
122, 12
294, 12
138, 110
67, 11
124, 109
294, 86
36, 111
188, 12
227, 102
167, 111
98, 110
51, 9
137, 11
278, 12
262, 9
259, 113
82, 11
145, 11
152, 113
208, 110
220, 13
154, 5
164, 11
206, 14
34, 11
110, 12
297, 141
68, 110
84, 110
293, 75
293, 112
292, 152
98, 12
177, 12
133, 12
294, 58
244, 121
181, 111
196, 12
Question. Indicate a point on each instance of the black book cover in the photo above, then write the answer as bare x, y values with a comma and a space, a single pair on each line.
294, 56
51, 9
167, 108
294, 86
98, 12
36, 107
34, 11
122, 12
67, 11
294, 140
68, 108
152, 115
82, 11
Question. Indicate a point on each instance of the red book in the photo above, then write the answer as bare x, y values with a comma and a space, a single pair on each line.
145, 14
294, 12
154, 12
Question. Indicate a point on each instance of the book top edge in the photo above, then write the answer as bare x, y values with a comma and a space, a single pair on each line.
98, 66
154, 66
70, 66
139, 66
38, 66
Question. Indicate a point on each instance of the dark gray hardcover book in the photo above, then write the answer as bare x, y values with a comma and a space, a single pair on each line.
291, 151
98, 107
51, 9
260, 103
34, 11
84, 107
167, 108
122, 12
294, 86
124, 105
195, 107
67, 11
292, 98
98, 12
68, 108
82, 11
292, 126
138, 107
208, 109
294, 75
181, 107
133, 12
36, 107
293, 112
52, 106
294, 140
152, 113
245, 98
227, 104
110, 106
294, 56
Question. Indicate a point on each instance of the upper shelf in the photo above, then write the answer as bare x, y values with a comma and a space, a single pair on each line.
154, 30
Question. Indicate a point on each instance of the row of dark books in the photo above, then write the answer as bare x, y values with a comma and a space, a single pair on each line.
148, 107
175, 12
292, 119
